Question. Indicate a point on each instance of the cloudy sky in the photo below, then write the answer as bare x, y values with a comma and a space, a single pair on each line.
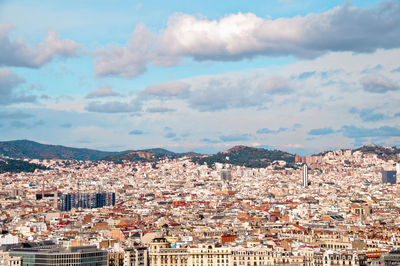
296, 75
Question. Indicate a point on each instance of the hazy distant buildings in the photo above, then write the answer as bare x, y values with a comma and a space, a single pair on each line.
226, 175
388, 177
307, 159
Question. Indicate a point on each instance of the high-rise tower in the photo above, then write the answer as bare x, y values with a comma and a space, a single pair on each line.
43, 189
305, 175
388, 177
55, 203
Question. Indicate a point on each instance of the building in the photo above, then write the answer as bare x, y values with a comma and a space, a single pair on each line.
115, 259
226, 175
305, 175
388, 177
251, 256
392, 258
307, 159
137, 256
360, 207
228, 238
88, 200
8, 240
66, 202
3, 256
87, 255
7, 260
210, 255
330, 257
161, 253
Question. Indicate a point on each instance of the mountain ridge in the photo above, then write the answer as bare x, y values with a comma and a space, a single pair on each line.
27, 149
239, 154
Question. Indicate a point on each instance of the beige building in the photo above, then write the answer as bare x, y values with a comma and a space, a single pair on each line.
161, 254
7, 260
251, 256
115, 259
210, 255
137, 256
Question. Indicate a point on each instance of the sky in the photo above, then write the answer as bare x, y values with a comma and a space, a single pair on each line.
296, 75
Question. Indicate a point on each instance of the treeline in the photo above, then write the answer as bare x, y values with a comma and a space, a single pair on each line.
17, 166
385, 153
247, 156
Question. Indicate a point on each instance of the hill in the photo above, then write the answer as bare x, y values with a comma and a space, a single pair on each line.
147, 155
238, 155
34, 150
384, 153
134, 156
26, 149
246, 156
16, 166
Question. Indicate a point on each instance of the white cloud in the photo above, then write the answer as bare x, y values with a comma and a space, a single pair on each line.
19, 53
160, 110
376, 84
102, 92
132, 60
235, 90
245, 35
172, 88
237, 36
113, 107
314, 93
219, 92
9, 93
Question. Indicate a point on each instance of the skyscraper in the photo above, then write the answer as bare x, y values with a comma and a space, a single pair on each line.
305, 175
87, 200
388, 177
226, 175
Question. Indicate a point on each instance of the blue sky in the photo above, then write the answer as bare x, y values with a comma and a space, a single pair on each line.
301, 76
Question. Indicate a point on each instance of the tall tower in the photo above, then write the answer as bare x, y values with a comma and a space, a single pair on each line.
43, 188
388, 177
305, 175
55, 199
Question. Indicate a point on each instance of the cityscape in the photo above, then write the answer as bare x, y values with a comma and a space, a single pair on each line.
336, 208
185, 133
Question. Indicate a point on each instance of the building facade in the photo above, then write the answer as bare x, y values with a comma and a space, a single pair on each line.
162, 254
388, 177
137, 256
88, 200
305, 175
85, 256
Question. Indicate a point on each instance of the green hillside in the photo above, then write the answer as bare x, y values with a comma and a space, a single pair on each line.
247, 156
16, 166
385, 153
33, 150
